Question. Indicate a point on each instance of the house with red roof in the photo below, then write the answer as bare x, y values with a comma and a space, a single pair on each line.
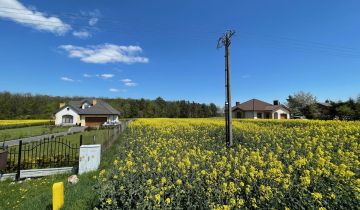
258, 109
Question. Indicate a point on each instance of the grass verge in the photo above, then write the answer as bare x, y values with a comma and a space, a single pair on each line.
36, 193
17, 133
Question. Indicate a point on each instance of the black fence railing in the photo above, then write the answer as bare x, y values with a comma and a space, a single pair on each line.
50, 152
46, 153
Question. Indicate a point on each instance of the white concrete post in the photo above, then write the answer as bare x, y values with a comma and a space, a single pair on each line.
89, 159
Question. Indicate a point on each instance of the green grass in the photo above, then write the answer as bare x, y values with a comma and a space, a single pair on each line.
36, 193
17, 133
54, 153
100, 136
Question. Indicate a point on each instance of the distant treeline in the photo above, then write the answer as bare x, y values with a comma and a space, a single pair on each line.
29, 106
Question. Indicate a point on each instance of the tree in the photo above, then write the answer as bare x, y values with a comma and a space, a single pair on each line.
311, 111
302, 103
28, 106
345, 112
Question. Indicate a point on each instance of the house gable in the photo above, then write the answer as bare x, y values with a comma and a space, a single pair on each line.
67, 111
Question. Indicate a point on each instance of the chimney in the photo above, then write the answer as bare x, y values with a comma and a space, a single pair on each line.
61, 105
276, 102
237, 103
94, 101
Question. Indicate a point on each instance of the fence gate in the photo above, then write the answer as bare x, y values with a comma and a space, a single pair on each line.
46, 153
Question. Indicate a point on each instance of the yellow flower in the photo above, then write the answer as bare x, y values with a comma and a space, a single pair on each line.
168, 201
232, 201
149, 181
226, 207
179, 182
163, 180
157, 198
102, 172
300, 162
109, 201
317, 196
240, 202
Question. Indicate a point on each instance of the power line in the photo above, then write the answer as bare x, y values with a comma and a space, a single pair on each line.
290, 43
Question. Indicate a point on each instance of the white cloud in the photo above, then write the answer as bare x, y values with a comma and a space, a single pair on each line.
114, 90
67, 79
94, 16
87, 75
105, 76
17, 12
126, 80
106, 53
130, 84
93, 21
83, 34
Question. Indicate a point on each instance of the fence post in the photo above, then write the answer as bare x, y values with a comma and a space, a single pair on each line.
81, 140
19, 162
94, 139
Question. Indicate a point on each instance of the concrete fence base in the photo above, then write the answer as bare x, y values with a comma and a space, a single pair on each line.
33, 173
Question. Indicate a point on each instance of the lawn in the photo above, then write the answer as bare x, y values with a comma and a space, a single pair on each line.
101, 136
17, 133
36, 193
55, 152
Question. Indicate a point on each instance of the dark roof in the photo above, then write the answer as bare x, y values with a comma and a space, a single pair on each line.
324, 104
100, 108
258, 105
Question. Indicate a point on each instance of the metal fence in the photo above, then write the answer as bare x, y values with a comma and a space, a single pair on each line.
46, 153
49, 152
113, 134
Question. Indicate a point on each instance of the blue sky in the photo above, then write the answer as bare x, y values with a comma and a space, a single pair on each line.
167, 48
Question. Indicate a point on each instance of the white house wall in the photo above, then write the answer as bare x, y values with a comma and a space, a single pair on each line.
281, 111
244, 114
251, 114
65, 111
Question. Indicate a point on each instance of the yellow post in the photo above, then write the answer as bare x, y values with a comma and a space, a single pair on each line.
58, 195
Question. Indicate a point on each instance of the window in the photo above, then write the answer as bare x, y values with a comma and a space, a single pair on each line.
85, 106
67, 119
259, 115
267, 115
238, 114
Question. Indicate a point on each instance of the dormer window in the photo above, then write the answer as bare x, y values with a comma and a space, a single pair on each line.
86, 105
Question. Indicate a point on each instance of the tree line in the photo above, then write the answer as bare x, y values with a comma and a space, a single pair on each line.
29, 106
306, 104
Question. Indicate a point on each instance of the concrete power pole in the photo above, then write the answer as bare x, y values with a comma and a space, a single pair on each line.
225, 40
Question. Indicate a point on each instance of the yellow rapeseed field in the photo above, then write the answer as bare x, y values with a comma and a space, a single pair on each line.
184, 164
19, 122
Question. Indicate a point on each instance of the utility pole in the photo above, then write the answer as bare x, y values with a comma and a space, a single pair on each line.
225, 40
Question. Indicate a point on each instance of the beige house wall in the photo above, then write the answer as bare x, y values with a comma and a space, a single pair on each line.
67, 111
